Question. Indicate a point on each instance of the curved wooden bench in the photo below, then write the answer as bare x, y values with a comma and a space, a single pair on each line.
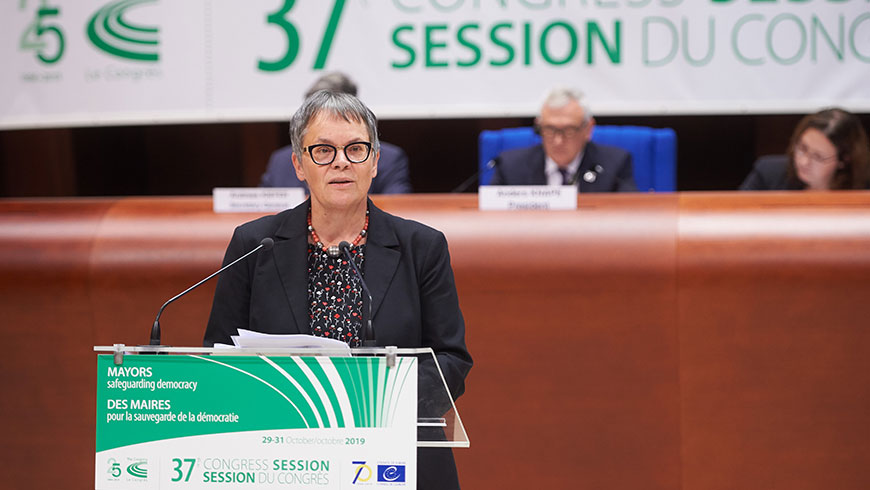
678, 341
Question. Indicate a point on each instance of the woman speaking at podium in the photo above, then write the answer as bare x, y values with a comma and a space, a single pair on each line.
305, 284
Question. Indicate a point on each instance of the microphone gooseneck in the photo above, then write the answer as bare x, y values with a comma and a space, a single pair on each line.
367, 325
573, 180
265, 244
467, 183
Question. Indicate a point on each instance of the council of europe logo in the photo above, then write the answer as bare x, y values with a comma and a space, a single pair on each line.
393, 473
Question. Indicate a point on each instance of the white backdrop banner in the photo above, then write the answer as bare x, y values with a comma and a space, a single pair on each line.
89, 62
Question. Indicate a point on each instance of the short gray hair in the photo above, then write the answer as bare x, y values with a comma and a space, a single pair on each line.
336, 104
561, 96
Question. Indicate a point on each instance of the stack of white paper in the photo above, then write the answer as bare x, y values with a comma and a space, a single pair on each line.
249, 338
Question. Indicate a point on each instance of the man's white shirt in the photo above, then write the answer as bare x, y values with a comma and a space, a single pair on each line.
551, 169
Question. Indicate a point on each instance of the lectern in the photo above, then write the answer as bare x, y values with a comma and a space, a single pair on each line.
197, 418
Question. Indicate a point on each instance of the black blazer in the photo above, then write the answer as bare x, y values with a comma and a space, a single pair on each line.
610, 165
770, 173
407, 268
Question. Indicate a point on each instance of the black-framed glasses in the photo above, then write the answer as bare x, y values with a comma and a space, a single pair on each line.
356, 152
564, 131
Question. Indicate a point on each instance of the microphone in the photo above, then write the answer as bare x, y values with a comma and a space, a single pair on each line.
467, 183
369, 332
265, 244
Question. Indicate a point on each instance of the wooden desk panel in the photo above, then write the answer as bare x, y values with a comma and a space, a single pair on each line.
696, 341
46, 368
774, 303
571, 322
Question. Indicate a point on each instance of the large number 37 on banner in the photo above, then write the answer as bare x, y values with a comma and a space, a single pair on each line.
279, 19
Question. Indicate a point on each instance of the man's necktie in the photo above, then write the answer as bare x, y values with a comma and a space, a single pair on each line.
566, 176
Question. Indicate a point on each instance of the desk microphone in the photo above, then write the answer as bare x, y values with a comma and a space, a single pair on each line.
467, 183
369, 332
265, 244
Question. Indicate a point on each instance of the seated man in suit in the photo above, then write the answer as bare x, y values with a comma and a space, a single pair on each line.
393, 172
565, 155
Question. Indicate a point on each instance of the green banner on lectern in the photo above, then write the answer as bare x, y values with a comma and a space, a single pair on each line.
193, 422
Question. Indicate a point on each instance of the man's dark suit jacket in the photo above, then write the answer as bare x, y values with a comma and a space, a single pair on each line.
407, 268
394, 176
525, 166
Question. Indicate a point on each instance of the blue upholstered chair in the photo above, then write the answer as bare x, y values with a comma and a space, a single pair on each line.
653, 151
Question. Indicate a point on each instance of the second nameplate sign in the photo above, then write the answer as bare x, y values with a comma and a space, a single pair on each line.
526, 197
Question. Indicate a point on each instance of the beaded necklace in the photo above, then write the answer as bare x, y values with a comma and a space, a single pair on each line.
333, 250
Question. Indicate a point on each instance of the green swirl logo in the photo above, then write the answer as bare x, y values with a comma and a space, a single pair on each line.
138, 469
110, 32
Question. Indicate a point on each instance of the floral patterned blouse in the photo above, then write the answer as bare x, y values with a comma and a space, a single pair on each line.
335, 295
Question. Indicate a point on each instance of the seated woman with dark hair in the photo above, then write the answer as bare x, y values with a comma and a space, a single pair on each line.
828, 151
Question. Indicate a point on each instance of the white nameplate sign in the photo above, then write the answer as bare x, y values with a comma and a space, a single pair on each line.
523, 197
255, 199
